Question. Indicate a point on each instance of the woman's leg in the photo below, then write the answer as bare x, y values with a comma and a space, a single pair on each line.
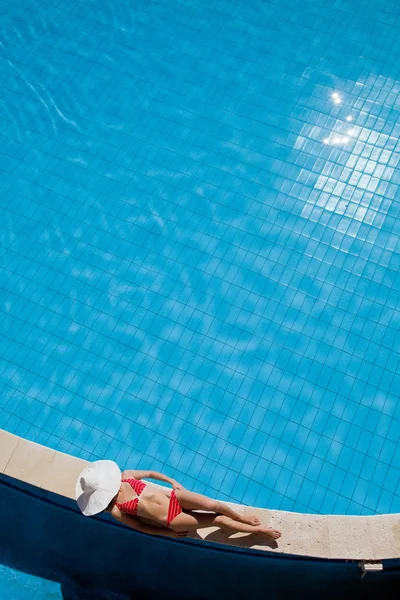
192, 501
234, 526
189, 521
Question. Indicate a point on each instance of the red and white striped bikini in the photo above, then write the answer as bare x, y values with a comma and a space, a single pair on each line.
131, 506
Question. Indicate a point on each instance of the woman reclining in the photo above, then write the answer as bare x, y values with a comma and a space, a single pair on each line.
102, 487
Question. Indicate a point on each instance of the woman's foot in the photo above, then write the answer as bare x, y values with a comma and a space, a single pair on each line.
273, 533
250, 520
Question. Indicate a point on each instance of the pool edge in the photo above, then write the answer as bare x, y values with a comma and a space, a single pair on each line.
363, 538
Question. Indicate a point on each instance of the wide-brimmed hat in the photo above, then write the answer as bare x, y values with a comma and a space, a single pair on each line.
97, 485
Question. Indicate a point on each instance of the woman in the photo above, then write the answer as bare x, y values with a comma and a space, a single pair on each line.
101, 486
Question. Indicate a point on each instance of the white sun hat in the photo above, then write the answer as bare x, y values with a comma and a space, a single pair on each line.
97, 485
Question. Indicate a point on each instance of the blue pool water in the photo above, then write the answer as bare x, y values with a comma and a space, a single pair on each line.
15, 585
200, 242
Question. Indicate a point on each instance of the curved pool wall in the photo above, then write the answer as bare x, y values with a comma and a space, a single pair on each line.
98, 558
200, 252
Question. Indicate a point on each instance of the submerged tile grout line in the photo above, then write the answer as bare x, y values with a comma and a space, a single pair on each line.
363, 538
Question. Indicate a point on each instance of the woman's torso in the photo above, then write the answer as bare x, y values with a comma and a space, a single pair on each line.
152, 503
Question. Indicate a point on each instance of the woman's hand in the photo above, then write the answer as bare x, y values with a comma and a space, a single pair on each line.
177, 486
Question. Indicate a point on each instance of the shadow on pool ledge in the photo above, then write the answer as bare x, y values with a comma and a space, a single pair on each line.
43, 534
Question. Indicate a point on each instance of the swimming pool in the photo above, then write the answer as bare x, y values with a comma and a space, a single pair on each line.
200, 243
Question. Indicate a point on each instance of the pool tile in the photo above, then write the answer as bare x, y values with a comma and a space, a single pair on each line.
8, 444
348, 539
29, 462
220, 287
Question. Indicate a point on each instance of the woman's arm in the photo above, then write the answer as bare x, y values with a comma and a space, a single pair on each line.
135, 524
152, 475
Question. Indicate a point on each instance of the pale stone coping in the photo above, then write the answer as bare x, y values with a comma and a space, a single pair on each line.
322, 536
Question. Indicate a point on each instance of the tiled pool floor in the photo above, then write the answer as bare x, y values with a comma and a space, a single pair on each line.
200, 242
15, 585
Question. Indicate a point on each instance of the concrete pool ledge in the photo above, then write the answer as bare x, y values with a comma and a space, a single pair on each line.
372, 538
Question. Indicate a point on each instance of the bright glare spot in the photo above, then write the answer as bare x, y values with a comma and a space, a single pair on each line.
335, 95
349, 118
337, 100
337, 140
350, 132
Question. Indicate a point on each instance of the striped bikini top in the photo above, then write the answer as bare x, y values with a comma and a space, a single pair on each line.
130, 507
